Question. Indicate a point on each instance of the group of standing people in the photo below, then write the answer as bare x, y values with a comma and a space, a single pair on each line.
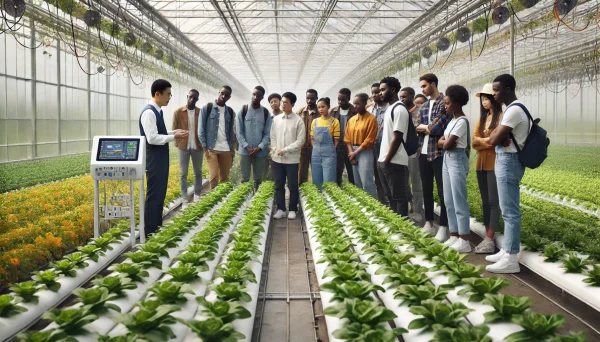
395, 148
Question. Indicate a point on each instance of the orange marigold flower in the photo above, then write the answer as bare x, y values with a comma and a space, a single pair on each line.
15, 262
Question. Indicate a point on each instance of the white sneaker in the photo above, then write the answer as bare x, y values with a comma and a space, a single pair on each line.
292, 215
185, 203
279, 214
496, 257
508, 264
462, 246
429, 228
442, 234
196, 198
451, 241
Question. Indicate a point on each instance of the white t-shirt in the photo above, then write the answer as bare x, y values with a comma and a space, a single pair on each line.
515, 118
221, 144
399, 124
426, 138
458, 127
344, 111
191, 129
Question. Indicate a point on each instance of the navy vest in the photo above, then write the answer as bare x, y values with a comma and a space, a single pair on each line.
160, 125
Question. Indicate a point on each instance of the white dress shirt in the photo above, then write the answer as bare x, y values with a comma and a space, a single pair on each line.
191, 129
287, 133
148, 121
221, 144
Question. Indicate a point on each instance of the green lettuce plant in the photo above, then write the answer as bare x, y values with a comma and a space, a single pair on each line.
536, 327
93, 252
71, 321
145, 259
194, 259
65, 267
50, 335
183, 273
457, 271
593, 276
27, 291
226, 311
505, 307
416, 294
436, 312
214, 330
135, 272
9, 306
78, 258
115, 284
479, 287
151, 321
362, 290
554, 252
95, 299
103, 242
155, 248
463, 333
231, 292
574, 264
49, 278
170, 292
343, 271
572, 337
356, 332
361, 311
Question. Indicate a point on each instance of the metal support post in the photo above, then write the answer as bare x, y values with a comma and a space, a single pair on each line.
33, 52
89, 92
107, 100
141, 228
96, 210
512, 45
132, 213
59, 96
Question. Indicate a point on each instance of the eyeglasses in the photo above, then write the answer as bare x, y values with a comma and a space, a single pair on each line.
170, 94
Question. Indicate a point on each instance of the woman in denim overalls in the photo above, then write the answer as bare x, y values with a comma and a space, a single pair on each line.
325, 133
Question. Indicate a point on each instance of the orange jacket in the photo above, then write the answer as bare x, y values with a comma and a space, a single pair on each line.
486, 153
180, 121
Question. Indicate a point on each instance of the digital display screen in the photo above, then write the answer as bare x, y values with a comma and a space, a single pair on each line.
118, 149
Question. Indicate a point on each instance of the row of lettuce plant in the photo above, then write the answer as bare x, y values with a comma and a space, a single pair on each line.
473, 289
225, 310
560, 234
362, 316
175, 292
141, 268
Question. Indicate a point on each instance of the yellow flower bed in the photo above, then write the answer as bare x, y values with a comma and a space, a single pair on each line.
40, 224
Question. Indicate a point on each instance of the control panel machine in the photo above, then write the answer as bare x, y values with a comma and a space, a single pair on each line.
118, 158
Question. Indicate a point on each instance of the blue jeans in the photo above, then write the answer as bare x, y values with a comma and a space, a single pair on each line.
257, 164
363, 172
323, 169
454, 175
184, 163
509, 172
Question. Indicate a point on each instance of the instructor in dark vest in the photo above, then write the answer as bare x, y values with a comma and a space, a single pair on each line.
152, 126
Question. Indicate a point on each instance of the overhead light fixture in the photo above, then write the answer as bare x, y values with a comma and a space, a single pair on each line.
100, 69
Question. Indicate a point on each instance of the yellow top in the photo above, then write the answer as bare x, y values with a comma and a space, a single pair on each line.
334, 129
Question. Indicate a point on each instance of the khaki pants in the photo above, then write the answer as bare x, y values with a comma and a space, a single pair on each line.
219, 165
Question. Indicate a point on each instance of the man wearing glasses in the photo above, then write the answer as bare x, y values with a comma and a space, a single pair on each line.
152, 126
216, 136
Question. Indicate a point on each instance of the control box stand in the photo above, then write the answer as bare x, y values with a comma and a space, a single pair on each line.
119, 158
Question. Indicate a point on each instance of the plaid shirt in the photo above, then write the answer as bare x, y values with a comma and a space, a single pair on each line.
439, 121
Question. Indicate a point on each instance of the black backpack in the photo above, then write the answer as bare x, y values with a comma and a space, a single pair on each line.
245, 111
410, 139
535, 149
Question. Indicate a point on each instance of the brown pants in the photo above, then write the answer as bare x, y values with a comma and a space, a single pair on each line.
305, 156
219, 165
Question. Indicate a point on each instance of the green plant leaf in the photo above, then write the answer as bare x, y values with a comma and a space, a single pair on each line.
361, 311
463, 333
9, 306
478, 287
505, 307
71, 321
537, 327
436, 312
226, 311
170, 292
214, 330
27, 291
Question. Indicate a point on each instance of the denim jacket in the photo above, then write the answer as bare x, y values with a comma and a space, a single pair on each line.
254, 131
208, 127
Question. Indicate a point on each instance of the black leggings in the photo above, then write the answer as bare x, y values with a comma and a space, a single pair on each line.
431, 170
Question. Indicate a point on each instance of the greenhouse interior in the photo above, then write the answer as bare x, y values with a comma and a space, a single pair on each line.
361, 170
